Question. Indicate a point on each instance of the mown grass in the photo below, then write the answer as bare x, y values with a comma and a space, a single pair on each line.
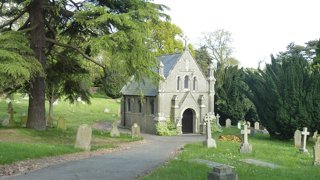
294, 165
21, 143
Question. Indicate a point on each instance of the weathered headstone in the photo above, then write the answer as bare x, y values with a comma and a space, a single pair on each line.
83, 140
256, 125
5, 122
222, 172
209, 142
316, 152
245, 146
49, 121
23, 120
297, 138
315, 134
135, 130
239, 125
61, 123
228, 123
304, 133
115, 131
218, 120
11, 115
248, 124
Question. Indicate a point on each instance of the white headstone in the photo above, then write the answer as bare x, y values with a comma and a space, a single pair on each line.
83, 140
228, 123
297, 138
5, 122
106, 110
135, 130
248, 124
245, 146
304, 133
209, 142
256, 125
239, 125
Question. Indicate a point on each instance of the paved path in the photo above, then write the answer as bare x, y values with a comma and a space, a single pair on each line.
121, 165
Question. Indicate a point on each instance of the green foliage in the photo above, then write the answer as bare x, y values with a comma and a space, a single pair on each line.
18, 64
203, 58
286, 94
230, 101
166, 128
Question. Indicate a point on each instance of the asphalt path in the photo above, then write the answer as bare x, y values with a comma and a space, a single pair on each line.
121, 165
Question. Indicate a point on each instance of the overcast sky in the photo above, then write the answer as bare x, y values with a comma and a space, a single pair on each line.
258, 27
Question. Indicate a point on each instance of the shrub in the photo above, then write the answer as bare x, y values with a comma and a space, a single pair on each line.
166, 128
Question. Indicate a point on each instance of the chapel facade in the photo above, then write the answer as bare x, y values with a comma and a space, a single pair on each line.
184, 96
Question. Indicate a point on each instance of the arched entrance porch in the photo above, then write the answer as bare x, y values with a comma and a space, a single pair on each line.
187, 121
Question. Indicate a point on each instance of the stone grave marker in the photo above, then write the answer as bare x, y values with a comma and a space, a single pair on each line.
83, 140
5, 122
297, 138
316, 152
249, 124
304, 133
228, 123
257, 126
115, 131
61, 123
222, 172
239, 125
218, 120
11, 114
314, 137
23, 120
106, 110
135, 130
49, 121
245, 146
209, 142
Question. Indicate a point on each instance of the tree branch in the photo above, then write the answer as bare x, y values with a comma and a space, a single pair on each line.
13, 20
76, 49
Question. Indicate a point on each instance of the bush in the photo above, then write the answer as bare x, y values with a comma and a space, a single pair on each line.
166, 128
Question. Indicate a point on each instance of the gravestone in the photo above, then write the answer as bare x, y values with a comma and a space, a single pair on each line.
222, 172
304, 133
315, 134
106, 110
218, 120
239, 125
11, 115
49, 121
61, 123
115, 131
5, 122
228, 123
245, 146
257, 126
23, 120
209, 142
135, 130
316, 152
297, 138
83, 140
249, 124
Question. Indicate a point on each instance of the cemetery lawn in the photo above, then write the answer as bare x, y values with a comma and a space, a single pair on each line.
19, 143
293, 164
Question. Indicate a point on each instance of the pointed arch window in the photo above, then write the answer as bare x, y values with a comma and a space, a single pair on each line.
140, 106
195, 84
178, 83
128, 105
186, 82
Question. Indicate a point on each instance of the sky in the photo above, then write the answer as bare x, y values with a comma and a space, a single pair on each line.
258, 27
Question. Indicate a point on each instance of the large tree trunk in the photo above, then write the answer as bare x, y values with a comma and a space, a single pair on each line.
36, 110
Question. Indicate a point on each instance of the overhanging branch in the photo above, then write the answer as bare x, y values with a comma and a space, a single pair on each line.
13, 20
76, 49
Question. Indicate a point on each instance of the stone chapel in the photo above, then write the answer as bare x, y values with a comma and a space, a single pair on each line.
184, 96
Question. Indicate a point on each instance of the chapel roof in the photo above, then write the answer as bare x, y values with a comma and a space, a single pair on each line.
148, 87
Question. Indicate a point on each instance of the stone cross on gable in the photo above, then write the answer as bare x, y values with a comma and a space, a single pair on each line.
245, 133
305, 133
